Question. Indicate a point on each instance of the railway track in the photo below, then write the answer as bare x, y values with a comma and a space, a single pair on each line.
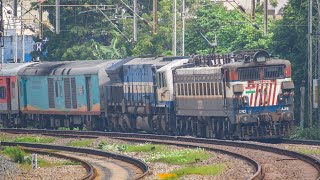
272, 163
99, 164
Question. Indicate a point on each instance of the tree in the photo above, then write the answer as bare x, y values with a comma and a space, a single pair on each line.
86, 33
232, 29
290, 42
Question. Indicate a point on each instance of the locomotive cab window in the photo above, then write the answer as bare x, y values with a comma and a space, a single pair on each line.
271, 72
2, 92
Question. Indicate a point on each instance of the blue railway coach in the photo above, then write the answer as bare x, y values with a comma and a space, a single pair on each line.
63, 94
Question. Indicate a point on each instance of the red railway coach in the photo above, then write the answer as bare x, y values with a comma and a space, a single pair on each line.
9, 102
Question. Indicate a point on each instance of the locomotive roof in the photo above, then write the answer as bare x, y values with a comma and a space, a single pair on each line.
11, 69
271, 61
83, 67
198, 70
118, 65
174, 63
151, 61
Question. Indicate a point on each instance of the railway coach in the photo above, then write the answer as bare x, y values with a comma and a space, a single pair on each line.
63, 94
9, 98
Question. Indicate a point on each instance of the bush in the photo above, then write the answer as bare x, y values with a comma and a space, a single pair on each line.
312, 133
16, 154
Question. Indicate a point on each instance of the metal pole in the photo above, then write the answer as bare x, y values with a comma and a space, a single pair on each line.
135, 38
302, 105
318, 53
253, 9
22, 33
40, 22
2, 34
57, 17
310, 58
23, 50
183, 26
155, 16
174, 34
15, 41
266, 17
15, 8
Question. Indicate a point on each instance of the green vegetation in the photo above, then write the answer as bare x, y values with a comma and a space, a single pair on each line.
308, 151
185, 156
160, 153
16, 154
200, 170
312, 133
32, 139
80, 143
131, 147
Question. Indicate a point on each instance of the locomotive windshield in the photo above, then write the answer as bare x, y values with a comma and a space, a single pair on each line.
256, 73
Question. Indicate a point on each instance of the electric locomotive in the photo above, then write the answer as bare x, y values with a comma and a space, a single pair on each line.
245, 95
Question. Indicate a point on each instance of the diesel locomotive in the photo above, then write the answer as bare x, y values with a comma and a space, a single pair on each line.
241, 95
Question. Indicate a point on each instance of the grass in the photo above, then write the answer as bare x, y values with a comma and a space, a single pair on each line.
212, 170
16, 154
147, 147
35, 139
80, 143
308, 151
160, 153
185, 156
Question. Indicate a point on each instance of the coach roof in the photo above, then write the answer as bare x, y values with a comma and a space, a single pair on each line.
41, 69
83, 67
12, 69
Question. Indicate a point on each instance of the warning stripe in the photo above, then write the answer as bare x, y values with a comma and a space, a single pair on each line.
265, 93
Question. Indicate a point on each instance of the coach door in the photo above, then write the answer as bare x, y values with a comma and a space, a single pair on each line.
8, 94
88, 92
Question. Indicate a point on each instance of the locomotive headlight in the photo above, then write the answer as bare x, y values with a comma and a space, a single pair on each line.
280, 97
245, 99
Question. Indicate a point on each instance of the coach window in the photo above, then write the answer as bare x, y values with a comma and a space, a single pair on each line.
164, 80
13, 94
208, 89
197, 89
2, 92
158, 79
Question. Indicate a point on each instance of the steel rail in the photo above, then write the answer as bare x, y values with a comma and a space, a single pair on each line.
138, 163
91, 172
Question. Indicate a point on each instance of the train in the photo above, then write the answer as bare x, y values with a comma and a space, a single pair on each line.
246, 94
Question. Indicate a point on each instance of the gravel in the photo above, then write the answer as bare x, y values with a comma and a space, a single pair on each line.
8, 169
